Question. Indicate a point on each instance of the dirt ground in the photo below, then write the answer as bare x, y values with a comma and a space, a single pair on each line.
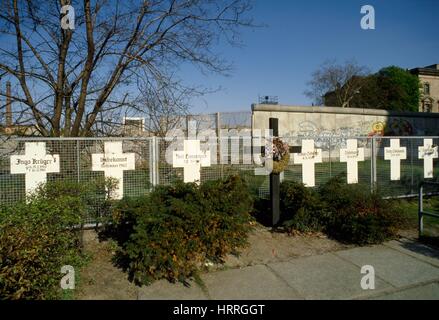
101, 280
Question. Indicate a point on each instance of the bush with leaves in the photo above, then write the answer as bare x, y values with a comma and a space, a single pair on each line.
176, 229
37, 238
301, 208
358, 215
349, 213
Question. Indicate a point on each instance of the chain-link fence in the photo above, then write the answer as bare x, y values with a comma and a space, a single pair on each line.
232, 155
376, 169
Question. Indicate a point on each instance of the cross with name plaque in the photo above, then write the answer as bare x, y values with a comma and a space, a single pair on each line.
191, 159
35, 164
308, 158
114, 162
352, 155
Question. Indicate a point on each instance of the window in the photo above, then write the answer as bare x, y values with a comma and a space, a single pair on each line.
427, 106
426, 89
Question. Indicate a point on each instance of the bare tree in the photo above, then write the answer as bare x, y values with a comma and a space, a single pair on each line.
336, 83
74, 82
164, 102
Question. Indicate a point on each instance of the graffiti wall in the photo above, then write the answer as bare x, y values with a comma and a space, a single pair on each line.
320, 123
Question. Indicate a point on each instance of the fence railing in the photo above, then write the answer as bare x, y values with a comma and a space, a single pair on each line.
153, 163
421, 211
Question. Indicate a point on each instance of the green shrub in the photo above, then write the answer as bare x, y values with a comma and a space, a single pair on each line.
94, 195
357, 215
175, 229
349, 213
37, 238
301, 208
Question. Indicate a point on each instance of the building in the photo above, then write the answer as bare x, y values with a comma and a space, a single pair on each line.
133, 126
429, 79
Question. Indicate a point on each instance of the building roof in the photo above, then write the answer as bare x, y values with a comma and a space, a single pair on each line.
432, 70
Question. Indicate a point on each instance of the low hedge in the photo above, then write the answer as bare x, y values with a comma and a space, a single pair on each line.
349, 213
358, 215
301, 207
37, 239
172, 232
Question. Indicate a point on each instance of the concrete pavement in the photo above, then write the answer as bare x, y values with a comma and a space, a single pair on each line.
404, 269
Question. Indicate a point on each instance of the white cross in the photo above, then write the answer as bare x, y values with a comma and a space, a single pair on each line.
192, 158
308, 158
395, 154
35, 164
352, 155
114, 162
428, 152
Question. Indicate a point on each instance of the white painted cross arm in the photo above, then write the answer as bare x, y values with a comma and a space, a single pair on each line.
35, 164
428, 152
395, 154
114, 162
191, 159
352, 155
308, 158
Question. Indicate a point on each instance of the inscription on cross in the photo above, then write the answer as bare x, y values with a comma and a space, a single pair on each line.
395, 154
114, 162
352, 155
428, 152
191, 159
35, 164
308, 158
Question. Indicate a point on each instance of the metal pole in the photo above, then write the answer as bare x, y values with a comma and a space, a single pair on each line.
275, 180
151, 162
421, 209
78, 157
411, 166
330, 160
218, 133
372, 164
156, 160
375, 169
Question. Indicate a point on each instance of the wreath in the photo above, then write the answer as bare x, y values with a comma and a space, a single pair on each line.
281, 155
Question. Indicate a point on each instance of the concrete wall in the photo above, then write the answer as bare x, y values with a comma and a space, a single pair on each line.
330, 126
303, 121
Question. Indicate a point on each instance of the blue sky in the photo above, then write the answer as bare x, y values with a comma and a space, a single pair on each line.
300, 35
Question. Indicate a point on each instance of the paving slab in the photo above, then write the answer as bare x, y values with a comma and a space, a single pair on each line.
250, 283
324, 277
416, 249
393, 266
164, 290
424, 292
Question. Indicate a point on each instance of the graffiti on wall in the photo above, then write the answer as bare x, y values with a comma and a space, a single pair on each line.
326, 138
335, 138
394, 127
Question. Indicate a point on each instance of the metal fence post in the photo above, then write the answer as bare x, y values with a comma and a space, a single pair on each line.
372, 156
78, 157
374, 163
218, 123
421, 209
330, 160
411, 167
156, 160
152, 161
